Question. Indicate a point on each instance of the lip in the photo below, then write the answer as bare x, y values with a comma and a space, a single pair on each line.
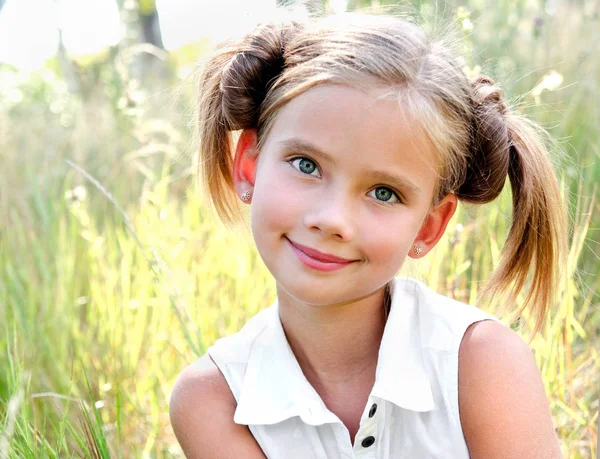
318, 260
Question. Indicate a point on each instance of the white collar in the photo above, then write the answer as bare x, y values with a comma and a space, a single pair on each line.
275, 389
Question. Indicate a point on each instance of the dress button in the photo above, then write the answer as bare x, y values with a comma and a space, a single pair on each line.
368, 441
373, 410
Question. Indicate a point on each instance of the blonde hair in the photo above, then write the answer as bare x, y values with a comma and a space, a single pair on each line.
245, 82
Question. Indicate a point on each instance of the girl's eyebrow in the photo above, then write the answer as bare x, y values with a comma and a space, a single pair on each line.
400, 182
302, 146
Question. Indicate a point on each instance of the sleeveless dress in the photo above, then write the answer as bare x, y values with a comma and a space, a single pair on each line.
412, 410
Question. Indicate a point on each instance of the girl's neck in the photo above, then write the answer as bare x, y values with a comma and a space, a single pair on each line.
335, 345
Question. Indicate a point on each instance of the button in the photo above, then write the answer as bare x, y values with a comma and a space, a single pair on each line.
373, 410
368, 441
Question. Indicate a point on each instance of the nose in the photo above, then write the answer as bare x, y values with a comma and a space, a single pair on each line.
332, 215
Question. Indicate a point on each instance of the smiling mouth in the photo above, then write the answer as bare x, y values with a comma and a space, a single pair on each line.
307, 254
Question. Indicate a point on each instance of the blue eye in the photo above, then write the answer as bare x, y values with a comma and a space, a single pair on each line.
386, 195
305, 165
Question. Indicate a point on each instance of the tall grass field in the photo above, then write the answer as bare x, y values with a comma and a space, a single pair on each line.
115, 273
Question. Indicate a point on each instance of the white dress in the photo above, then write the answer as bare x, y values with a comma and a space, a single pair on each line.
412, 411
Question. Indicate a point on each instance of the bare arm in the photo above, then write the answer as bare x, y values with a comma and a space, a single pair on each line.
504, 411
201, 410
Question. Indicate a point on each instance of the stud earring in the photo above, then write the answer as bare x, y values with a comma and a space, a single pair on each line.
417, 249
245, 196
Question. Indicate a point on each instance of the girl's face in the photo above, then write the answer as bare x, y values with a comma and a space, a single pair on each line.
349, 175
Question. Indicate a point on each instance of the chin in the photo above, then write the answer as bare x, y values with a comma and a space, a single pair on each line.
317, 292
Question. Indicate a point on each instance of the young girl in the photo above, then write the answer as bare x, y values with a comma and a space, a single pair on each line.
358, 137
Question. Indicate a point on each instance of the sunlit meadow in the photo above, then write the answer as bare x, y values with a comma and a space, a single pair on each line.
115, 273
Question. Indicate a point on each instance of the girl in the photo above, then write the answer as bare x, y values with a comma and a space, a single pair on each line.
358, 137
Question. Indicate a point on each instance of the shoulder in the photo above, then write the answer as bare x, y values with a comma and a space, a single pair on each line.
503, 407
201, 411
201, 379
236, 348
442, 320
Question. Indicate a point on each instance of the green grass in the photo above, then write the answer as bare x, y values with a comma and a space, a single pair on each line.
114, 274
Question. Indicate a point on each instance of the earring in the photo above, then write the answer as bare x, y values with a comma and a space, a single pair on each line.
245, 196
417, 250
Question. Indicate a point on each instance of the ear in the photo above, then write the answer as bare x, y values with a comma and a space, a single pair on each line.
244, 163
434, 225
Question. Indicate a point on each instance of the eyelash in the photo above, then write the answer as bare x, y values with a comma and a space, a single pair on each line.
396, 194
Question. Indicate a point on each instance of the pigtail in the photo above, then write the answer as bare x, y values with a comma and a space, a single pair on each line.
538, 234
233, 84
215, 165
505, 143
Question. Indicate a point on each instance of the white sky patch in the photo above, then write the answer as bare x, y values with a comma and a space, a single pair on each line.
89, 25
29, 34
338, 6
184, 21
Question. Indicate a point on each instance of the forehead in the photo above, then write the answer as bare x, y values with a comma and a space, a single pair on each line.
358, 129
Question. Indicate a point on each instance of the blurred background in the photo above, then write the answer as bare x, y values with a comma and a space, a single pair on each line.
115, 273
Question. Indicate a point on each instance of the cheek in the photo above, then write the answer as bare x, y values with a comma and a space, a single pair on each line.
389, 240
275, 205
